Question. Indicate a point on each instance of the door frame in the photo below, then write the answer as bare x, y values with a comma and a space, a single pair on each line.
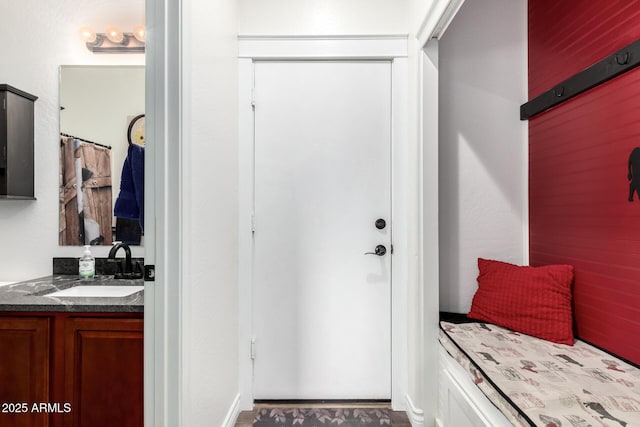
424, 49
162, 405
264, 48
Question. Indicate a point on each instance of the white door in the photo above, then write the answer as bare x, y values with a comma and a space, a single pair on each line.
322, 307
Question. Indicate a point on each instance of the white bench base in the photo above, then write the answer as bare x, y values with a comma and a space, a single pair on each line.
461, 403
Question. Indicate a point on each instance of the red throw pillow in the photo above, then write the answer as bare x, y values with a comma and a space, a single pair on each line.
533, 300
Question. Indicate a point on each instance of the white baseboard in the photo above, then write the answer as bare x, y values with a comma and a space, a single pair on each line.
232, 414
416, 416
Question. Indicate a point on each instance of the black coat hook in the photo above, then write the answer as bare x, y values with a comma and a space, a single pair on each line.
558, 91
623, 59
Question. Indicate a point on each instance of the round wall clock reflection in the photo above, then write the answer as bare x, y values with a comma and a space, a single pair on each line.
135, 134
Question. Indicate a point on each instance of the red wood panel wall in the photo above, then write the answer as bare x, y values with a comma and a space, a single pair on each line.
578, 151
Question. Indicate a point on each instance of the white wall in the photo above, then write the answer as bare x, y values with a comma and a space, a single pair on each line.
419, 9
327, 17
483, 144
209, 214
37, 38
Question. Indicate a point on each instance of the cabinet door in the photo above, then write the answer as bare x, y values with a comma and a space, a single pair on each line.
104, 372
3, 130
24, 370
16, 131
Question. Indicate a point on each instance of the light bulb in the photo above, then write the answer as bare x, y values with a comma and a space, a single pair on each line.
114, 35
140, 33
88, 34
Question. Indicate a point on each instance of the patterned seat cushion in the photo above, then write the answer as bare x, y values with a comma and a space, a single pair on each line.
539, 383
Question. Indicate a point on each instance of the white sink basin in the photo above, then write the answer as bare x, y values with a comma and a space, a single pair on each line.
88, 291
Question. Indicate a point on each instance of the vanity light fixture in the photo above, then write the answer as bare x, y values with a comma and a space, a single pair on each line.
114, 35
114, 41
140, 33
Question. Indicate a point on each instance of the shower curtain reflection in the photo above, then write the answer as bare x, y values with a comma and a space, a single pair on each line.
85, 193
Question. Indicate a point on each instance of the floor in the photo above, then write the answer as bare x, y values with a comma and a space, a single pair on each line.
330, 414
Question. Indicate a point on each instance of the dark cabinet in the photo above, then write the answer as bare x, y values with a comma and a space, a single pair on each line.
103, 372
71, 370
16, 143
24, 370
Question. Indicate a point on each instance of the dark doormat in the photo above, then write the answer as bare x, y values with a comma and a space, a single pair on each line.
317, 417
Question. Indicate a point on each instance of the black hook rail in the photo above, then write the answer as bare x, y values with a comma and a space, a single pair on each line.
613, 65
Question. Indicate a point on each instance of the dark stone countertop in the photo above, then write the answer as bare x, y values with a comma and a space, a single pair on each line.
31, 296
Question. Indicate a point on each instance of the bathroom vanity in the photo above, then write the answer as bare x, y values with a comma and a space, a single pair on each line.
71, 355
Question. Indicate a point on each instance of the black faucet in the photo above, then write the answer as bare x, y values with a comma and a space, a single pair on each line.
126, 271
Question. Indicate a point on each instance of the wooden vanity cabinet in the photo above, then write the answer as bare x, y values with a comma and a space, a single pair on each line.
24, 370
103, 372
85, 368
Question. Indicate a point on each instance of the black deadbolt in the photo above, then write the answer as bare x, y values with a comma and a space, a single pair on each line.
380, 223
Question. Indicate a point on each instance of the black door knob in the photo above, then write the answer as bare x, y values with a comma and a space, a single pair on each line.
380, 223
380, 250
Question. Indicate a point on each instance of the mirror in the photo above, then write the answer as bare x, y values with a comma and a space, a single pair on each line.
101, 109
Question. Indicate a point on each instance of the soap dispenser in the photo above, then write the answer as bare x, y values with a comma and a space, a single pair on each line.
87, 264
